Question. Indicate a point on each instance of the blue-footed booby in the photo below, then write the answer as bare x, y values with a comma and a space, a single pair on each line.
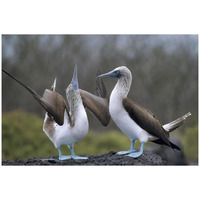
132, 119
66, 124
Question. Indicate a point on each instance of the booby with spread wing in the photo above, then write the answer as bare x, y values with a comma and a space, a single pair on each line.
133, 120
66, 124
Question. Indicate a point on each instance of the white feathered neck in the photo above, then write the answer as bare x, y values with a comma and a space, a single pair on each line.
123, 84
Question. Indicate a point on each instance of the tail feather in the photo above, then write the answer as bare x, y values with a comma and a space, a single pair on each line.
53, 87
176, 123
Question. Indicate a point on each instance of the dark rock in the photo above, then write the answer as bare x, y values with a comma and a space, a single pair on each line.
147, 158
172, 157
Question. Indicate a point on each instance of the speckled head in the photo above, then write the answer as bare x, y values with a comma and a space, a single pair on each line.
72, 91
124, 76
118, 72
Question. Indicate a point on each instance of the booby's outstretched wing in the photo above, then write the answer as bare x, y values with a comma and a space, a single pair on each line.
51, 101
55, 105
98, 104
100, 87
147, 121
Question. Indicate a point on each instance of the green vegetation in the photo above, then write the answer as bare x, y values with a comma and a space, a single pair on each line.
189, 140
22, 138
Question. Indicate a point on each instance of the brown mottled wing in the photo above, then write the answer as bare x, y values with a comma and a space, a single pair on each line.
145, 120
54, 104
51, 101
100, 87
98, 104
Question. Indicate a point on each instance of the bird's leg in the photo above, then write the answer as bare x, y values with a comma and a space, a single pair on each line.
137, 154
74, 156
131, 150
61, 157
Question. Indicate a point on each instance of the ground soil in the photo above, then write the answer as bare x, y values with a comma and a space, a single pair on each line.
147, 158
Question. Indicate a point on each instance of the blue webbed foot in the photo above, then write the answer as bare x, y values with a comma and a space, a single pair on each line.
74, 156
79, 157
61, 157
131, 150
137, 154
125, 152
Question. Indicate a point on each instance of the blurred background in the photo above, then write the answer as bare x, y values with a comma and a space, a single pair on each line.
165, 80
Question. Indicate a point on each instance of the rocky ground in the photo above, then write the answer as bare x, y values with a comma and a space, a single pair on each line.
147, 158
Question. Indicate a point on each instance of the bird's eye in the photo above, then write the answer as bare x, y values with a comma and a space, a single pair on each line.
117, 74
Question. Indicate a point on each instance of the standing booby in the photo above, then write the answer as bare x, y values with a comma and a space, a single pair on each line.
132, 119
66, 126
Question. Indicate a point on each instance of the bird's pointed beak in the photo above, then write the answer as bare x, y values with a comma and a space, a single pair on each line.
112, 74
74, 81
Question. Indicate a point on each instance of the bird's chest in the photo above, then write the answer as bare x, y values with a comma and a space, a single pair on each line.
79, 131
123, 121
116, 107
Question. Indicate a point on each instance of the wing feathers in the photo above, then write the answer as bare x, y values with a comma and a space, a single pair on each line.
97, 105
145, 120
51, 101
100, 87
174, 146
54, 104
